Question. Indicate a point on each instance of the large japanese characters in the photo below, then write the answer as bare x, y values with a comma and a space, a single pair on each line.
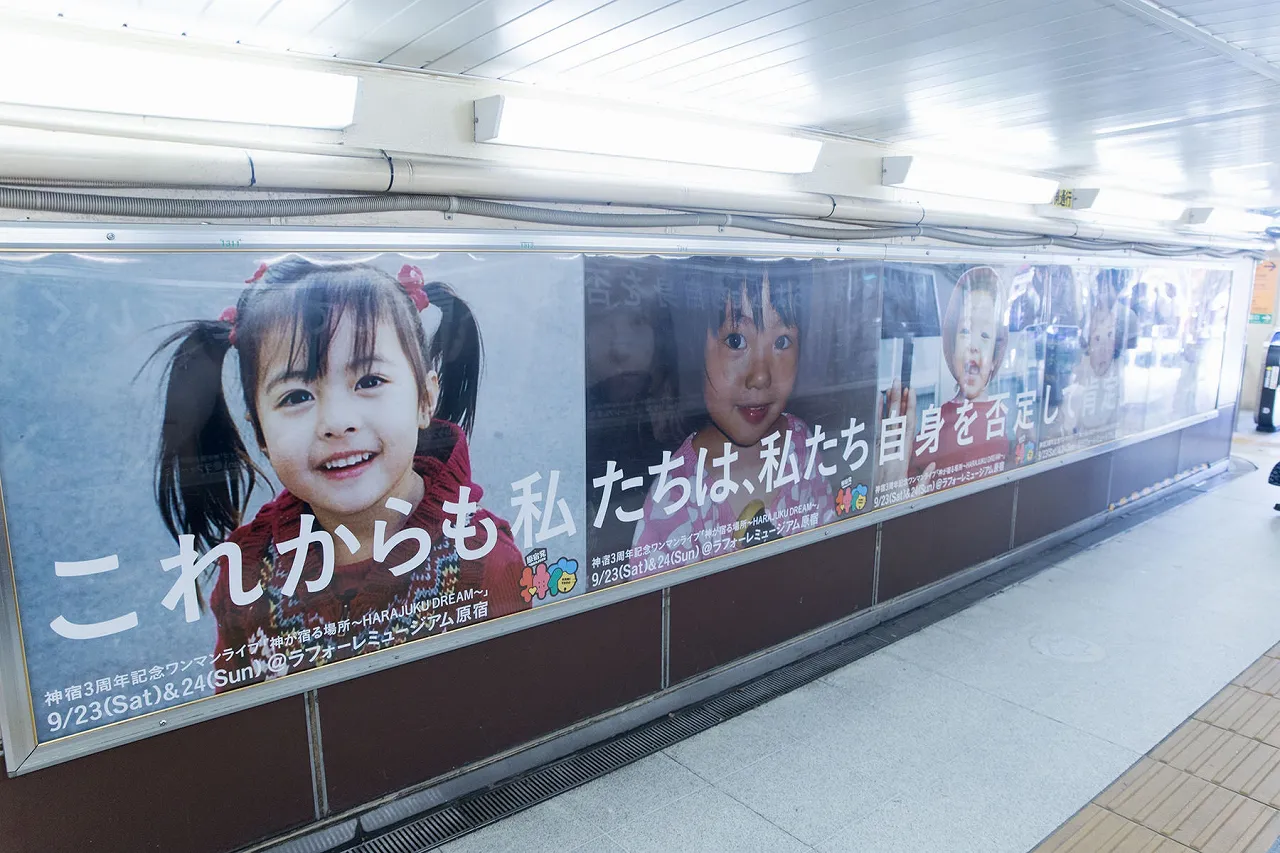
729, 403
219, 482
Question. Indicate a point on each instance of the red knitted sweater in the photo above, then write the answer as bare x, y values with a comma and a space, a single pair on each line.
364, 608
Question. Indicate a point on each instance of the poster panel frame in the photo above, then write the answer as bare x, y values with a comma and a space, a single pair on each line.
17, 707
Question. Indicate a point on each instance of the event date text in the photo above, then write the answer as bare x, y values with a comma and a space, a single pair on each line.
88, 713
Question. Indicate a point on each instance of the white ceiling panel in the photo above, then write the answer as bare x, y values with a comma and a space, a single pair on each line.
237, 13
1160, 87
745, 33
300, 17
597, 21
455, 34
706, 20
858, 33
372, 30
864, 44
1252, 26
605, 42
495, 43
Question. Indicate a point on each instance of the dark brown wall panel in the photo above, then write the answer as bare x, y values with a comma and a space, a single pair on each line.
725, 616
402, 726
1207, 442
928, 545
1144, 464
1059, 498
216, 786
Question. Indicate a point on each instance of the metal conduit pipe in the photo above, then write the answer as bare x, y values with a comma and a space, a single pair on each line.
498, 181
186, 208
870, 210
417, 176
403, 184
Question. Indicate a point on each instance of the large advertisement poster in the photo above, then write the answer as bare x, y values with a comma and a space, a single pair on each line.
729, 403
1199, 323
220, 482
958, 376
226, 469
1087, 328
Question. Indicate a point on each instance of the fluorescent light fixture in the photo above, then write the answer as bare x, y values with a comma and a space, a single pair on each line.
938, 176
1221, 219
1250, 179
1109, 202
88, 76
569, 127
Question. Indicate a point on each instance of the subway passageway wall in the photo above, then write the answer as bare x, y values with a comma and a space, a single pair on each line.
362, 511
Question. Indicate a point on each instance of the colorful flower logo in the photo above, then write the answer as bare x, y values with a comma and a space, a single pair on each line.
564, 576
534, 582
844, 500
540, 581
860, 496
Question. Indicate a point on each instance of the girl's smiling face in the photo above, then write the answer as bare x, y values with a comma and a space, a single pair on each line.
344, 441
973, 356
750, 372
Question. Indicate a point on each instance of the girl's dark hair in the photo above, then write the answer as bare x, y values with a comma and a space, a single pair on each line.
1062, 296
733, 288
204, 474
1112, 282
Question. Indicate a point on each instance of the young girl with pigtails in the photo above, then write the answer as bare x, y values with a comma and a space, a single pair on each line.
363, 411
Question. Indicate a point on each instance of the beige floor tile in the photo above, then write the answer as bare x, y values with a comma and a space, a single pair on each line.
1262, 677
1247, 712
1159, 807
1203, 750
1222, 822
1161, 797
1133, 779
1240, 824
1096, 830
1266, 838
1256, 774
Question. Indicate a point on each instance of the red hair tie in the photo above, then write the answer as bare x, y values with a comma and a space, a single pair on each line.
229, 316
411, 280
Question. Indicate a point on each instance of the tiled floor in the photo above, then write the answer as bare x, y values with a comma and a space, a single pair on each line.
988, 730
1212, 785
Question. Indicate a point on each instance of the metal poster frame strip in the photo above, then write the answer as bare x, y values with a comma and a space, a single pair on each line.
22, 751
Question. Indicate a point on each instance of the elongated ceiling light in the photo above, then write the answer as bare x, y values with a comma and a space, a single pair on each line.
1109, 202
504, 120
40, 71
938, 176
1222, 219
